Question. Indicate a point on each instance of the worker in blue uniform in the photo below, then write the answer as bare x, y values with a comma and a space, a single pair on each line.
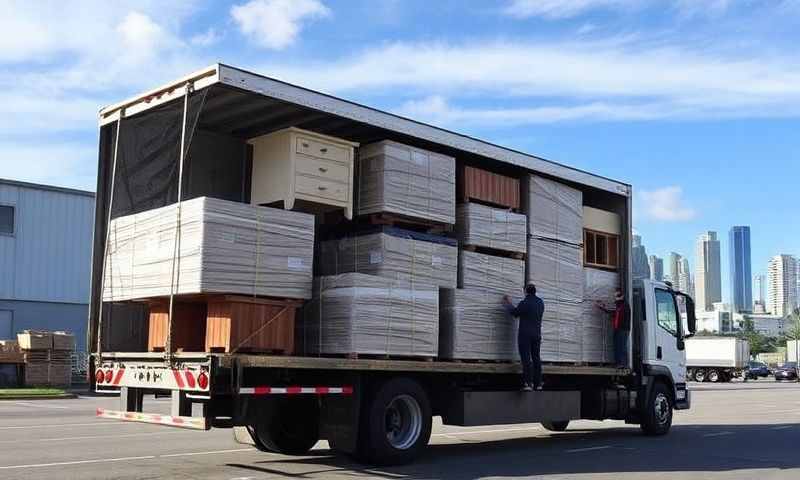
529, 338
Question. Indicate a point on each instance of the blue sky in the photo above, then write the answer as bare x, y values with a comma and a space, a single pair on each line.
695, 103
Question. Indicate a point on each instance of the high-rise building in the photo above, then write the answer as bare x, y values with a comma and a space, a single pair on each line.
679, 273
740, 269
639, 259
760, 282
708, 274
782, 285
656, 268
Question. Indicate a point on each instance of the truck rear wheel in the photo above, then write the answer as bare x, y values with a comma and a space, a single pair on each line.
657, 416
396, 426
699, 375
291, 429
556, 426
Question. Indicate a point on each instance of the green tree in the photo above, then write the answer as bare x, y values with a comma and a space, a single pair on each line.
758, 342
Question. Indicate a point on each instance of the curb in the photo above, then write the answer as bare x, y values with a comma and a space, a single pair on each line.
62, 396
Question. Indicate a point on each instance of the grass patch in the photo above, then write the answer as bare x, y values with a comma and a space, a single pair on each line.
33, 392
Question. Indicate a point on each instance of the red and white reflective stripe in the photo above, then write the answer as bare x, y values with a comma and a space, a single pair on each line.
196, 423
348, 390
118, 376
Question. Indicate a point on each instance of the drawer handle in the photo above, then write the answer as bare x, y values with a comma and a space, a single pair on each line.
323, 150
323, 169
322, 188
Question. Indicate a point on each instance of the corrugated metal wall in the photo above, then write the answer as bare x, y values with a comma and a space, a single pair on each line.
48, 257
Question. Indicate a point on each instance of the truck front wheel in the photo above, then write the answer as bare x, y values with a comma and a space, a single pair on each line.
657, 417
699, 375
290, 429
556, 426
396, 426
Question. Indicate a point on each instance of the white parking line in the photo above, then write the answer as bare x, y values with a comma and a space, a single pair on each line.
588, 449
717, 434
36, 405
123, 459
94, 437
782, 427
63, 425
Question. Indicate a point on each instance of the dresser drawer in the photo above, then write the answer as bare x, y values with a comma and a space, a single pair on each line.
321, 149
319, 187
317, 167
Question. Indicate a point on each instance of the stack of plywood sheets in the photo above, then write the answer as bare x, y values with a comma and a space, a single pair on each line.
355, 313
225, 247
401, 255
555, 210
489, 227
596, 324
474, 325
488, 273
404, 180
47, 357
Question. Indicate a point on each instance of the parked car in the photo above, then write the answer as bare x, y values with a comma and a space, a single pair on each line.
787, 371
756, 370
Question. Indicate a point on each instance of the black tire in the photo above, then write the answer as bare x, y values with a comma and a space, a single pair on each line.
292, 428
714, 376
396, 423
657, 415
556, 426
700, 375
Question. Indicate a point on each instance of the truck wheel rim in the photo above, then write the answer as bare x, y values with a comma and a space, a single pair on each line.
403, 422
713, 376
661, 408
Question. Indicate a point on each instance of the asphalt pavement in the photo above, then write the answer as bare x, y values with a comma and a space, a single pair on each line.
738, 430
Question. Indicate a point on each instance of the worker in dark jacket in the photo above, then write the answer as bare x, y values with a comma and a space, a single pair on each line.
621, 324
529, 338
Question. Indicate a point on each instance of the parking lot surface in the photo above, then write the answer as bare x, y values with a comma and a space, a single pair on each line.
738, 430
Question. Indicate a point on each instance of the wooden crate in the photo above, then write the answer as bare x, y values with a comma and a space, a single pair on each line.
475, 184
34, 340
237, 323
188, 329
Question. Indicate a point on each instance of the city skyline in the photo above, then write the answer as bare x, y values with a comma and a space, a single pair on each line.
740, 268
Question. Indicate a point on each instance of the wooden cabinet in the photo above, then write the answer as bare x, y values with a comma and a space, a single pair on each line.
246, 324
188, 329
488, 188
294, 164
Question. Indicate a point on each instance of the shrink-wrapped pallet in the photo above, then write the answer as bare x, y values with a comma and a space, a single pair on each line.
397, 178
225, 247
489, 273
597, 331
556, 268
474, 325
489, 227
555, 211
393, 253
561, 332
355, 313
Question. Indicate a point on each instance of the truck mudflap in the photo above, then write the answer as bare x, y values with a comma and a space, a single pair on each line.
683, 397
193, 423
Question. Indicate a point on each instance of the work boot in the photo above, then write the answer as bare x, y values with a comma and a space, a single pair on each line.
526, 387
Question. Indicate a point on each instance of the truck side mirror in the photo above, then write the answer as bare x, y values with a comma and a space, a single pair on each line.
691, 319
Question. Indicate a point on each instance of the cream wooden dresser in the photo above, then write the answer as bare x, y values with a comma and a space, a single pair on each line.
294, 164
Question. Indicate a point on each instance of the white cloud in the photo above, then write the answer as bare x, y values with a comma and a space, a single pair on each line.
207, 38
665, 204
558, 9
275, 24
617, 78
66, 164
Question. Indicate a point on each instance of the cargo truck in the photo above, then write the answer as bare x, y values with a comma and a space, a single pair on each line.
378, 410
716, 359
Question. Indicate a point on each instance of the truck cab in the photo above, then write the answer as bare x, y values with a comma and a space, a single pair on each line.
663, 319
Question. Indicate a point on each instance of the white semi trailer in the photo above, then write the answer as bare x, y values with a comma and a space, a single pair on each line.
378, 410
716, 359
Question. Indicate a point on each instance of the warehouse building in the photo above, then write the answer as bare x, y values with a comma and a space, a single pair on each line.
45, 258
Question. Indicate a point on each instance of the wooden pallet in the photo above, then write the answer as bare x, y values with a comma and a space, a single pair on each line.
494, 252
408, 223
372, 356
477, 360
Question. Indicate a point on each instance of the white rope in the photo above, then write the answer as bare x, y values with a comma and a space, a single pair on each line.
106, 257
177, 242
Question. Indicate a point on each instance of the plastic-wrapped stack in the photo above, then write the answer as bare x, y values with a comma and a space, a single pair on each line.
555, 227
489, 227
596, 324
474, 325
226, 247
489, 273
404, 180
401, 255
355, 313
